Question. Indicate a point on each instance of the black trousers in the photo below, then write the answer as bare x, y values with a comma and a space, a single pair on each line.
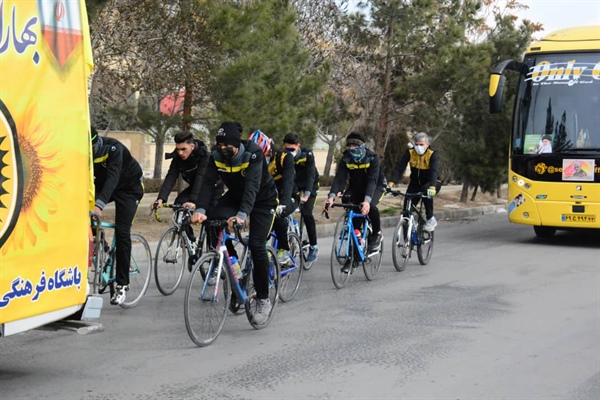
428, 203
261, 221
280, 225
308, 218
126, 205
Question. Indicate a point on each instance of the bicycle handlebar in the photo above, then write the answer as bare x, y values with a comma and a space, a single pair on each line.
176, 207
394, 192
355, 207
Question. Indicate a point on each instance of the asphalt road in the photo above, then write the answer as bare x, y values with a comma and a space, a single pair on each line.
497, 314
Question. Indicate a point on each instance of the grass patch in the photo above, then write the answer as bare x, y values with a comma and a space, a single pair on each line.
390, 211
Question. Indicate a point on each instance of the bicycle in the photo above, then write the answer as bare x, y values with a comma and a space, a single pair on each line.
207, 300
291, 275
409, 233
175, 248
350, 246
104, 263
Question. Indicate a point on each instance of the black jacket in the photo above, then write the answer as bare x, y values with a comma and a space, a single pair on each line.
281, 168
192, 171
423, 169
246, 177
365, 175
307, 176
115, 170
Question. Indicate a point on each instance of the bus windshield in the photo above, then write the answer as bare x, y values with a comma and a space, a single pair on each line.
557, 109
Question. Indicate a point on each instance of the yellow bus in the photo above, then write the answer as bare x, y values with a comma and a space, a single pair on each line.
45, 165
554, 161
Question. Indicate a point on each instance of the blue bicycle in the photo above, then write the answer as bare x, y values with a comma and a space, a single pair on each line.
350, 244
291, 272
214, 287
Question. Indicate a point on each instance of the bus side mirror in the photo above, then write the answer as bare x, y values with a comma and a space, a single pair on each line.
497, 82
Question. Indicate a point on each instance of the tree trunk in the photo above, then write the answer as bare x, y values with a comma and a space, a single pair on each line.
329, 158
158, 158
499, 191
465, 192
186, 122
385, 99
474, 193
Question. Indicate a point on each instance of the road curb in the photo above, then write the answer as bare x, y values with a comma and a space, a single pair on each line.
324, 230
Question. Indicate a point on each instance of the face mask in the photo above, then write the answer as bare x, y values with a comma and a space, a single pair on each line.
226, 152
291, 151
357, 153
420, 149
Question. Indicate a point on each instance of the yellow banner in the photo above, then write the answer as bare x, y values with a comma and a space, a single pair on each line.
45, 59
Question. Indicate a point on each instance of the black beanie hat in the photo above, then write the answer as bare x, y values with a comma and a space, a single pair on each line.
229, 133
290, 138
355, 138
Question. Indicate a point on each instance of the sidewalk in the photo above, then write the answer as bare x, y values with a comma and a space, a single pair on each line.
447, 207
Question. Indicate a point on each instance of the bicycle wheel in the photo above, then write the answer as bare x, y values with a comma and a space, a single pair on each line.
205, 306
373, 262
100, 261
274, 280
342, 253
401, 245
171, 256
291, 275
425, 246
140, 270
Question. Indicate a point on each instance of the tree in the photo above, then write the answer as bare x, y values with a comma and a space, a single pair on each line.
481, 146
148, 49
265, 79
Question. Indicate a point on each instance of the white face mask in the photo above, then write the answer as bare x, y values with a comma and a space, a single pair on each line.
420, 149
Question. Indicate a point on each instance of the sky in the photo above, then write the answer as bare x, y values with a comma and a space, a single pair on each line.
559, 14
555, 14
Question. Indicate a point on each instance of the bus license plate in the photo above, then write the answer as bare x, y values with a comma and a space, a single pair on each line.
578, 218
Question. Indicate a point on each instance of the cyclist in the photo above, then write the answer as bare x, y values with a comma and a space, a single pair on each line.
307, 183
250, 192
423, 174
365, 186
188, 160
118, 178
281, 168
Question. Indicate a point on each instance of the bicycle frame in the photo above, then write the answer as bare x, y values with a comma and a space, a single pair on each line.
273, 236
409, 213
107, 269
240, 292
350, 215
